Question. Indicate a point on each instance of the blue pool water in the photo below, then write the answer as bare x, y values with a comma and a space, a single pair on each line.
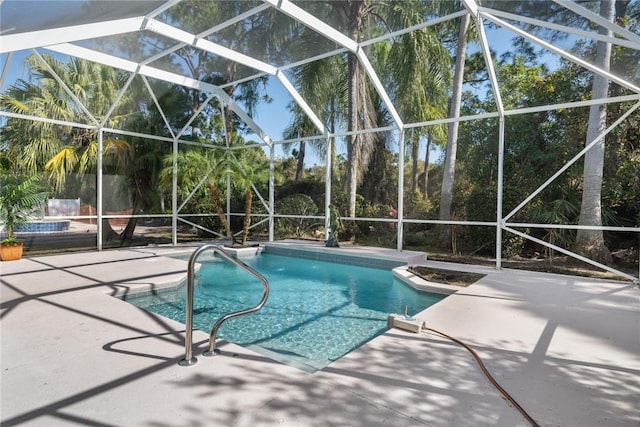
316, 312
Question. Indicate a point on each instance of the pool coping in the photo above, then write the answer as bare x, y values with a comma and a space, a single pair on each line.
321, 253
347, 254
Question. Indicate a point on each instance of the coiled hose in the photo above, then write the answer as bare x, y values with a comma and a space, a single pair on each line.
488, 375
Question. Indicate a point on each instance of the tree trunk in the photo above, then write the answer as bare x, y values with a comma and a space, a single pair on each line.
354, 20
195, 105
415, 152
247, 216
215, 197
352, 140
332, 145
300, 167
108, 233
591, 243
127, 234
448, 178
425, 179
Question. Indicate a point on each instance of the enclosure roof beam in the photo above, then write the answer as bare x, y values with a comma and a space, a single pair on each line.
206, 45
594, 17
331, 33
622, 82
301, 15
300, 100
472, 6
561, 28
364, 60
158, 106
41, 38
416, 27
187, 38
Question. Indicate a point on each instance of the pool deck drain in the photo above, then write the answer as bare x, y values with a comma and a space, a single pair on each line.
565, 347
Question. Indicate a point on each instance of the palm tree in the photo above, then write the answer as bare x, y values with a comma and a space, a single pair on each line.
360, 19
352, 17
204, 166
244, 179
35, 146
300, 127
19, 200
322, 84
420, 72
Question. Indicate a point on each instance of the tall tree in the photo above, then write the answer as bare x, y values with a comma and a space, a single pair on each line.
420, 74
353, 17
449, 167
591, 242
322, 83
300, 127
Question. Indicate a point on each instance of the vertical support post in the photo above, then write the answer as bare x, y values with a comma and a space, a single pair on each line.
400, 227
272, 156
227, 138
499, 219
174, 194
327, 188
472, 6
99, 190
229, 202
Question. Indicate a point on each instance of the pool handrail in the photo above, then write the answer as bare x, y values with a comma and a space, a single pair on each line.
189, 359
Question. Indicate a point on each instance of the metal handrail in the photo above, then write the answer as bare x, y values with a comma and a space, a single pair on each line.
189, 359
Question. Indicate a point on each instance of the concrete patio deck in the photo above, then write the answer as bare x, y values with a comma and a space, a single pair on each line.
566, 348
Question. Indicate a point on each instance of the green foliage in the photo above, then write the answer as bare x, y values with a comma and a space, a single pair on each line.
312, 188
335, 227
9, 241
417, 206
536, 146
20, 198
300, 205
413, 240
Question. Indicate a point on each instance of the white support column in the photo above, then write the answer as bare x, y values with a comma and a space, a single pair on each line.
272, 156
499, 194
484, 44
400, 228
229, 203
174, 194
327, 189
99, 191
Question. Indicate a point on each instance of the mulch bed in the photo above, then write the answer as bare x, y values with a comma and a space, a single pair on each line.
448, 277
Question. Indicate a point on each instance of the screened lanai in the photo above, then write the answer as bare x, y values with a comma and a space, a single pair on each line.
503, 128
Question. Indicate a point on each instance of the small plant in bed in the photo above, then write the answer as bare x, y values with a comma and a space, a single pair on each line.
448, 277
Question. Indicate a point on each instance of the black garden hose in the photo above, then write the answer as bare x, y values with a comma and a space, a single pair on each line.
488, 375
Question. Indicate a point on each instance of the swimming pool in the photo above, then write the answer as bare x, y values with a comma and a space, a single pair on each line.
317, 311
